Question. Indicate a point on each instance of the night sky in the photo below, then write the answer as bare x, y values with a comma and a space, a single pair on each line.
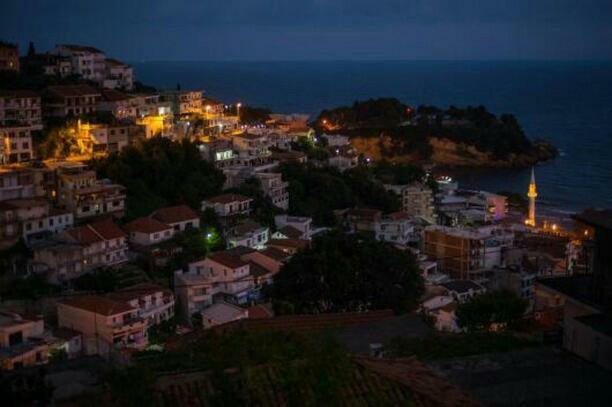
317, 29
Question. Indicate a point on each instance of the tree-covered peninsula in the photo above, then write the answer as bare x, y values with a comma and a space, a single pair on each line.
469, 136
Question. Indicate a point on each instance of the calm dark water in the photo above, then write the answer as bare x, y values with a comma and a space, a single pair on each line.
569, 103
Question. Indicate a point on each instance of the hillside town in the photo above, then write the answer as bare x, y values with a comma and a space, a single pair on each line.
105, 257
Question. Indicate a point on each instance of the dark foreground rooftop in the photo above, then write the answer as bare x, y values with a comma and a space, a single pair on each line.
533, 377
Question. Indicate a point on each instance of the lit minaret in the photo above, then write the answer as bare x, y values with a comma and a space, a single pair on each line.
532, 195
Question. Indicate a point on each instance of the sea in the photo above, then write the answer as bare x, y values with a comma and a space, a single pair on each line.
567, 103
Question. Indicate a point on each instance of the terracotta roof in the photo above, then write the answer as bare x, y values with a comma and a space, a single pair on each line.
112, 95
96, 232
228, 198
146, 225
99, 305
137, 291
197, 389
85, 235
276, 254
428, 389
72, 90
175, 214
227, 259
290, 243
260, 311
398, 215
257, 270
107, 229
290, 232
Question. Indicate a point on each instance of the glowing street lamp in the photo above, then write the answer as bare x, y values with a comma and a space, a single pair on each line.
238, 106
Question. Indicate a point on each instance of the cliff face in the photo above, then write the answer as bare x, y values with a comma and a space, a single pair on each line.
448, 153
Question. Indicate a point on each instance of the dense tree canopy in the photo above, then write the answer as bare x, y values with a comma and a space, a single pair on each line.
473, 126
494, 307
348, 273
159, 172
317, 192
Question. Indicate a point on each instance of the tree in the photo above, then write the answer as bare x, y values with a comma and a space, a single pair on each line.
501, 307
159, 172
348, 273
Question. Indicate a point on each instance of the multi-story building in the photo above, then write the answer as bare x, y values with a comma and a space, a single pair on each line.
248, 233
396, 228
48, 64
70, 100
220, 273
155, 304
416, 200
9, 57
219, 152
301, 223
104, 243
228, 205
30, 219
16, 144
105, 324
467, 253
180, 217
106, 138
21, 182
185, 102
58, 261
118, 75
20, 107
253, 149
22, 341
275, 188
79, 191
148, 231
87, 62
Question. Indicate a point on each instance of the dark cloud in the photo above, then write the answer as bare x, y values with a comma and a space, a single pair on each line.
318, 29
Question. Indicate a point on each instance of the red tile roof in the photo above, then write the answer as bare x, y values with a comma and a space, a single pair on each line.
228, 198
99, 305
289, 243
112, 95
227, 259
72, 90
175, 214
137, 291
146, 225
96, 232
275, 254
260, 311
108, 230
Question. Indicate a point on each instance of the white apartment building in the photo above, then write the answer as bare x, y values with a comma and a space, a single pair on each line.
301, 223
155, 304
220, 273
248, 233
20, 107
16, 144
228, 205
118, 75
396, 228
275, 188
